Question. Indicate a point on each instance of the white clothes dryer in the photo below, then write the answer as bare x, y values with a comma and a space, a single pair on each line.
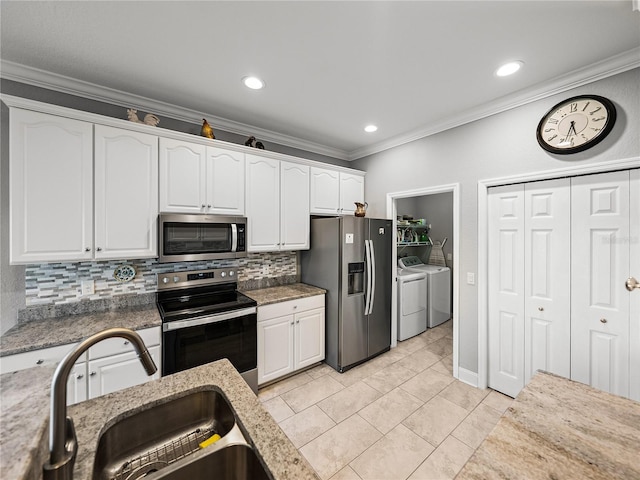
412, 303
438, 288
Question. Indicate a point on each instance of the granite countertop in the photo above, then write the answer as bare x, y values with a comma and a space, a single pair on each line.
51, 332
266, 296
558, 428
24, 436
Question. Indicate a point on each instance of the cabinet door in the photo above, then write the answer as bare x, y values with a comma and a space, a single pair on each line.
263, 204
51, 188
324, 191
294, 206
126, 193
309, 338
506, 289
114, 373
225, 181
600, 264
77, 384
275, 348
351, 191
182, 176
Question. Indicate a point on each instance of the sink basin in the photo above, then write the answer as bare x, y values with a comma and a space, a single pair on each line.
163, 434
234, 462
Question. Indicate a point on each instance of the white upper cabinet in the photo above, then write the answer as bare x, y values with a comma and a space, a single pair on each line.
182, 176
294, 206
263, 204
51, 188
277, 205
126, 193
196, 178
225, 181
333, 192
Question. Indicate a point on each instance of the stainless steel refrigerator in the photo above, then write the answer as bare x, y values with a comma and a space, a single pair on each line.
350, 257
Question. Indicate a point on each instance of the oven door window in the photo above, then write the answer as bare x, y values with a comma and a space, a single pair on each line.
193, 238
235, 339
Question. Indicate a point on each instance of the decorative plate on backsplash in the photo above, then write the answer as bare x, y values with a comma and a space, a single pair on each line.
124, 273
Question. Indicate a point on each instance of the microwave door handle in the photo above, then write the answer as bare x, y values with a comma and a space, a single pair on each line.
372, 254
234, 237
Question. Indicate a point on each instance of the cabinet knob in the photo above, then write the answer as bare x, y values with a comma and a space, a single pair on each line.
208, 206
603, 320
291, 323
87, 249
541, 309
202, 206
99, 249
126, 342
297, 321
92, 374
295, 306
79, 376
39, 362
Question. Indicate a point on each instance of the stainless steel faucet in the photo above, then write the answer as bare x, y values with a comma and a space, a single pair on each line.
63, 444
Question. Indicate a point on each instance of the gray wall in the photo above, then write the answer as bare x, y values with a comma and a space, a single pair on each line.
497, 146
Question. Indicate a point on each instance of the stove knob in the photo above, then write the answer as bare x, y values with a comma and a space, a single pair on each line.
231, 273
176, 279
223, 274
165, 280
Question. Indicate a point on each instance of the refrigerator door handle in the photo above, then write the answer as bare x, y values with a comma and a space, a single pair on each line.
367, 258
372, 254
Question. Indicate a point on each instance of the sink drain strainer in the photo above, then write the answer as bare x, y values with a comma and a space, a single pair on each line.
158, 458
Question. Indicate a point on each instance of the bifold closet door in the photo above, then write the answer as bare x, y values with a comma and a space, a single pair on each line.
529, 283
601, 262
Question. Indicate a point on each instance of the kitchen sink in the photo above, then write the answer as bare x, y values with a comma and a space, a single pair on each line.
165, 434
233, 462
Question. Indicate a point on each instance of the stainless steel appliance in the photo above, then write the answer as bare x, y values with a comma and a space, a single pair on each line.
204, 319
190, 237
350, 257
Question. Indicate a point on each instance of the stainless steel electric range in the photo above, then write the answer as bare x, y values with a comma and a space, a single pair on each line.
204, 319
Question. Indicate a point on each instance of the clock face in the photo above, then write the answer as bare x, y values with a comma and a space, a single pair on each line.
576, 124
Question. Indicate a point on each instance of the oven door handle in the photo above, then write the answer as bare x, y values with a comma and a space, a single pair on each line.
194, 322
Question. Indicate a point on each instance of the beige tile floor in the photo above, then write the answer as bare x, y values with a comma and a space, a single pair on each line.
399, 416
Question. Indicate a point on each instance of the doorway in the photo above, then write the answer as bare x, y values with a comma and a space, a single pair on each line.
445, 206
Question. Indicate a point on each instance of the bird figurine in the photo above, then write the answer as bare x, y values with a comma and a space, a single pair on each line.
206, 130
251, 142
149, 118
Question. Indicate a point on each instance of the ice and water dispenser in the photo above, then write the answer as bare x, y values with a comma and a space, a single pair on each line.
356, 278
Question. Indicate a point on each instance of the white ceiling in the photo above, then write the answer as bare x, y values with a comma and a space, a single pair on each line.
412, 68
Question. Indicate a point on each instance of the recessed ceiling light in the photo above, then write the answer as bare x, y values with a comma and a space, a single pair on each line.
509, 68
253, 83
370, 128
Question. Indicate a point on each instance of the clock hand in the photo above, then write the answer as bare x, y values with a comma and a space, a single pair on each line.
571, 127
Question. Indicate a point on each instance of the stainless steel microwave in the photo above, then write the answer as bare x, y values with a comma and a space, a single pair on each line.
186, 237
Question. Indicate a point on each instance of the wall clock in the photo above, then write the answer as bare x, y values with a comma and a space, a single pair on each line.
576, 124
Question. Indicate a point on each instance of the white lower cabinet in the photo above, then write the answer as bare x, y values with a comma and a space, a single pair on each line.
109, 365
290, 336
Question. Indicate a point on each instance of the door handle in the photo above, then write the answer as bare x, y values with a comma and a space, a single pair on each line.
631, 284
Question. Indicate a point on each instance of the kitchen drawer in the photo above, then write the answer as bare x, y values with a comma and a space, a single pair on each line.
114, 346
44, 356
289, 307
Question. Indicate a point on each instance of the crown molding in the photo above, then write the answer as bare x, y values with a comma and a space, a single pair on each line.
597, 71
612, 66
63, 84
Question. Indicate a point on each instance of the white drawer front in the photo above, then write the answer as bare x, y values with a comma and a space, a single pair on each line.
289, 307
114, 346
44, 356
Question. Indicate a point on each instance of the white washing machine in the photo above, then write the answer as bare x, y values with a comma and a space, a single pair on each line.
412, 303
438, 289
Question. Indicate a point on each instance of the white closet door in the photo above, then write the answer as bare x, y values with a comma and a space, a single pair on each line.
547, 284
634, 296
600, 305
506, 289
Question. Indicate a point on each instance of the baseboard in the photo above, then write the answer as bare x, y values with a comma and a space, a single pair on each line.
468, 377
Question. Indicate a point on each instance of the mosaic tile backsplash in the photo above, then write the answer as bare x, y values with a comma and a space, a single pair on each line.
61, 283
